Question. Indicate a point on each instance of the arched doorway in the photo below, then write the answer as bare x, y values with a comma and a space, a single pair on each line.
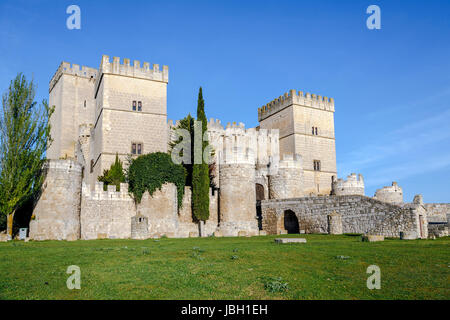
291, 222
259, 192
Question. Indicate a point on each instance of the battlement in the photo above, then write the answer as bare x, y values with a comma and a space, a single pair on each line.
215, 125
298, 98
289, 160
237, 155
391, 194
74, 69
135, 70
354, 185
261, 144
66, 165
98, 193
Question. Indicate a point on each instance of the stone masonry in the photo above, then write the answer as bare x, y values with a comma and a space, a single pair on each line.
275, 178
359, 214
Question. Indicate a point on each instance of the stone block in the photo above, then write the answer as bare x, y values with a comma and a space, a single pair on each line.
218, 234
262, 233
372, 238
102, 236
3, 237
242, 233
283, 232
408, 235
290, 240
193, 234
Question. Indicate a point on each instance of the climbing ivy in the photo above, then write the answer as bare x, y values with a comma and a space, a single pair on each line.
150, 171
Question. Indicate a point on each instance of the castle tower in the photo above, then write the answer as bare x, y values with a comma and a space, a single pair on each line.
353, 185
287, 182
118, 108
57, 213
306, 127
237, 196
131, 111
71, 92
391, 194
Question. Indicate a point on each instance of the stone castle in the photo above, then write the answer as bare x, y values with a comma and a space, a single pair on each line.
279, 177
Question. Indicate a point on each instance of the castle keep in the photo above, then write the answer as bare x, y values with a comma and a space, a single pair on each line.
279, 177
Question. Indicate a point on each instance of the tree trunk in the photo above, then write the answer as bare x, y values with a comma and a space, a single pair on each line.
201, 228
9, 224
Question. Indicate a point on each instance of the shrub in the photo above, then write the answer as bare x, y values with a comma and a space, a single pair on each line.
150, 171
113, 176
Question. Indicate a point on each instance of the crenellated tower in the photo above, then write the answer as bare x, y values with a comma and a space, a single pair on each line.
306, 127
353, 185
117, 109
71, 91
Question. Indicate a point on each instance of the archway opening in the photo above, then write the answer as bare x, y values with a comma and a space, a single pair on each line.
291, 222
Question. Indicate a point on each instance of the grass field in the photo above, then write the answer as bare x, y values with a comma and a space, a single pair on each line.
326, 267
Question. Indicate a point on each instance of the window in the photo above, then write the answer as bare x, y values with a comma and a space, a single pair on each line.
137, 105
136, 148
92, 165
314, 131
316, 165
85, 103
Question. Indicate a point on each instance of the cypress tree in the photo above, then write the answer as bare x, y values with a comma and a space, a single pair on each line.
200, 172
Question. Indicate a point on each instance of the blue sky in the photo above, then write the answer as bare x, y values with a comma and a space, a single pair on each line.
391, 86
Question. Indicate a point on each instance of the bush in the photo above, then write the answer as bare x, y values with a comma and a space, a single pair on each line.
113, 176
150, 171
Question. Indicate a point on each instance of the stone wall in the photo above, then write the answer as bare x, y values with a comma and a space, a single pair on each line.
106, 214
111, 214
437, 212
188, 224
57, 211
359, 214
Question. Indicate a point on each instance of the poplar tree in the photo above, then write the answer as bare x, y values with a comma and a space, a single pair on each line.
24, 138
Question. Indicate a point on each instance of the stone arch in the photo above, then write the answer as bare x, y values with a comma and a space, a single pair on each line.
290, 222
259, 192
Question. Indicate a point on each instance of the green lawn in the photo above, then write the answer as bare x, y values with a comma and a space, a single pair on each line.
226, 268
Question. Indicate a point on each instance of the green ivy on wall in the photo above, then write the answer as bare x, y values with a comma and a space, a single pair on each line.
150, 171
